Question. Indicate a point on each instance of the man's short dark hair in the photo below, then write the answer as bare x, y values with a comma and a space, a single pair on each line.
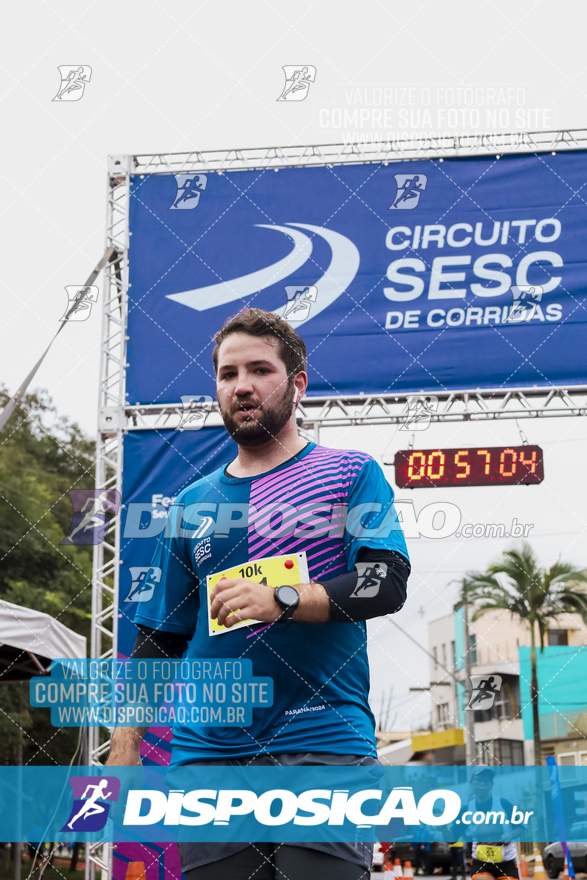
256, 322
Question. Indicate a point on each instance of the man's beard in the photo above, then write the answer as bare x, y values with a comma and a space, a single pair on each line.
263, 426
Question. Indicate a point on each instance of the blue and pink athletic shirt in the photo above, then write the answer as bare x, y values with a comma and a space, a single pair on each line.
326, 502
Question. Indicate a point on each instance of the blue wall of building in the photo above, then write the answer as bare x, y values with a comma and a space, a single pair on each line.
562, 690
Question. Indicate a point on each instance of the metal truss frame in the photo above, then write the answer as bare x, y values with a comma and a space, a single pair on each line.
115, 418
314, 413
104, 628
446, 147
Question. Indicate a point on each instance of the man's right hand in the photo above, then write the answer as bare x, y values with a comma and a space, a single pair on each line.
125, 748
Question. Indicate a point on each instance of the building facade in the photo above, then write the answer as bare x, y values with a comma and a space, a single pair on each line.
499, 650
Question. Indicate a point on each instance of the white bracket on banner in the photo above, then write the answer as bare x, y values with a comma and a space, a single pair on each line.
110, 420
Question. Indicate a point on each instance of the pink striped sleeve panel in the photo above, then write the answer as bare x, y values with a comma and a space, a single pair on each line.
300, 509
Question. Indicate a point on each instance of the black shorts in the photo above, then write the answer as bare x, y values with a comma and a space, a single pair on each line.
196, 854
499, 870
268, 861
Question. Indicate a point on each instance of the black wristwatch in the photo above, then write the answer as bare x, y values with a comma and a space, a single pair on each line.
288, 600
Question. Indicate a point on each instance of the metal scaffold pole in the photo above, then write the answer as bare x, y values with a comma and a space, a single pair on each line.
104, 630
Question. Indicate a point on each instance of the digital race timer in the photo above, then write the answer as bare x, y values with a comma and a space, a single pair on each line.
476, 466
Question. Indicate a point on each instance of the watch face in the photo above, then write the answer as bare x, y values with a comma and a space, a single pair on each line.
288, 595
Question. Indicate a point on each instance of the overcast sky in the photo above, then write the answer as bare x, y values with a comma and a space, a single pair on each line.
183, 76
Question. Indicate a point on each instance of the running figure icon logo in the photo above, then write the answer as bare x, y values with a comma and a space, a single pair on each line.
79, 302
369, 580
189, 189
74, 79
297, 82
90, 808
90, 523
420, 411
485, 690
299, 302
409, 189
144, 580
525, 298
195, 410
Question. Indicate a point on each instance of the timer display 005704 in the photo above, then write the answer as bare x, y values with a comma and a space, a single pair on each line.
473, 466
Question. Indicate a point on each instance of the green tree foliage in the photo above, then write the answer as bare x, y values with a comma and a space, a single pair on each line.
535, 595
42, 457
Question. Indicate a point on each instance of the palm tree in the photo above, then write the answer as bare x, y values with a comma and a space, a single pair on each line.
536, 596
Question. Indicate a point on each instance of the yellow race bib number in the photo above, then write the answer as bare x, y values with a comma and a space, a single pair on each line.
272, 571
491, 854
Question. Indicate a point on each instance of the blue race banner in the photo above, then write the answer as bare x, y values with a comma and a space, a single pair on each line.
281, 804
421, 275
157, 466
559, 813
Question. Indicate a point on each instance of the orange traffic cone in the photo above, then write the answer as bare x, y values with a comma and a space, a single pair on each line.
136, 871
397, 869
539, 873
408, 873
388, 867
566, 870
524, 874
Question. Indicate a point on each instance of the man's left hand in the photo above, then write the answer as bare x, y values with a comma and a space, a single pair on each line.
235, 599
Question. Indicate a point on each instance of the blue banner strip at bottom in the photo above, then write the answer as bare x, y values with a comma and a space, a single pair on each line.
288, 804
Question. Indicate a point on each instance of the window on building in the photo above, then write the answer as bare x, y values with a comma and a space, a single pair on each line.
473, 648
435, 655
558, 637
501, 752
453, 656
583, 759
509, 753
569, 759
442, 714
444, 656
485, 752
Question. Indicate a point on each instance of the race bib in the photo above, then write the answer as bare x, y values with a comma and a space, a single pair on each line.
490, 854
273, 571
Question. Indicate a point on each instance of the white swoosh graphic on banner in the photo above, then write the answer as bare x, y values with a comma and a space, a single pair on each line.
226, 291
343, 267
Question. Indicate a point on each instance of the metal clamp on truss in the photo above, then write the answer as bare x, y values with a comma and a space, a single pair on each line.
110, 420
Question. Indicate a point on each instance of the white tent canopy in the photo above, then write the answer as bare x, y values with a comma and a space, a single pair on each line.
38, 633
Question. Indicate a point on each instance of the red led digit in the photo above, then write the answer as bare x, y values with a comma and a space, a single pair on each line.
441, 457
531, 464
464, 464
421, 465
487, 455
502, 469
